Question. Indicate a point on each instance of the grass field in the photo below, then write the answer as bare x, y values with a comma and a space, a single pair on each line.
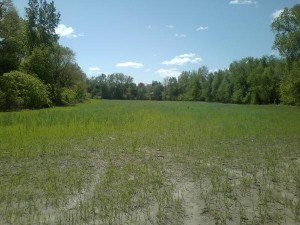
138, 162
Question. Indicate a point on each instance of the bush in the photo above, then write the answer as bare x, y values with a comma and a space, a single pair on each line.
64, 96
80, 90
20, 91
68, 96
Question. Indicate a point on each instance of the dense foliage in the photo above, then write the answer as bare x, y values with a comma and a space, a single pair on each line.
11, 50
248, 81
31, 46
20, 91
287, 41
287, 28
114, 86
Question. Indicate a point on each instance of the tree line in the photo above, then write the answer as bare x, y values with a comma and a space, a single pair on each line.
248, 81
265, 80
35, 70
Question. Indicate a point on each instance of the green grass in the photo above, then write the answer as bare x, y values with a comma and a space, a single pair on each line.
127, 162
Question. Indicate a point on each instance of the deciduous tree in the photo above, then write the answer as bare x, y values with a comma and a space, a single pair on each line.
287, 29
11, 35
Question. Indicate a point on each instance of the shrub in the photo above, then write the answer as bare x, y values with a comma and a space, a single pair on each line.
20, 91
68, 96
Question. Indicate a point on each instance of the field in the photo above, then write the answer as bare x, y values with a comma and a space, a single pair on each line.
147, 162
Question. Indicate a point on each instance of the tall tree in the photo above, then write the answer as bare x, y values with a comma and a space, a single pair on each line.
97, 86
55, 66
239, 72
155, 91
287, 29
141, 92
290, 85
171, 89
41, 21
11, 36
287, 41
183, 85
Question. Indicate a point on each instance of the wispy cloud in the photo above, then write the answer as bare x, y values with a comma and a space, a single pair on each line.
243, 2
180, 35
183, 59
276, 14
149, 27
170, 26
168, 72
134, 65
202, 28
94, 69
65, 31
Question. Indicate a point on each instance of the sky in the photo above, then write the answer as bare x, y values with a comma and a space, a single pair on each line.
152, 39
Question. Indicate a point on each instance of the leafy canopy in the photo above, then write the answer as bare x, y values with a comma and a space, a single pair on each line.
287, 29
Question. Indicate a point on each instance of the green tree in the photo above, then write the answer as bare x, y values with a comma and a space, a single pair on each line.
239, 72
141, 92
55, 66
207, 88
97, 86
31, 45
290, 85
41, 21
113, 86
155, 91
194, 90
192, 86
287, 29
263, 81
171, 89
202, 75
257, 92
183, 85
11, 35
215, 84
287, 41
224, 90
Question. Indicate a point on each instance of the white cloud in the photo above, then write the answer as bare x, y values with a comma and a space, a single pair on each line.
170, 26
187, 55
183, 59
94, 69
202, 28
180, 35
130, 64
78, 35
168, 72
64, 31
276, 13
243, 2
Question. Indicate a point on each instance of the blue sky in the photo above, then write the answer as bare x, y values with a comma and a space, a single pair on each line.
152, 39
